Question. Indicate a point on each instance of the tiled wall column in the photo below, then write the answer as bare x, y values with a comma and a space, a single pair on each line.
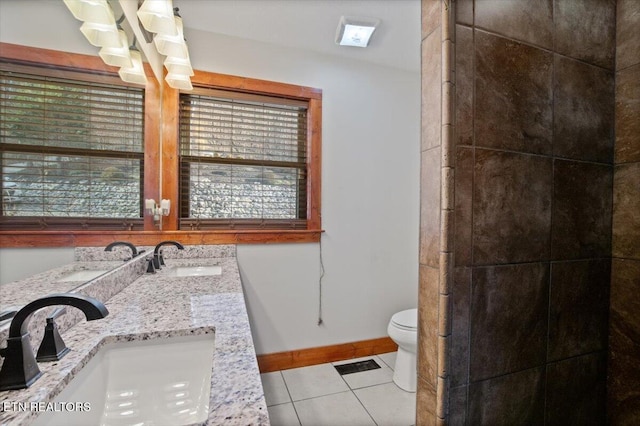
436, 213
624, 327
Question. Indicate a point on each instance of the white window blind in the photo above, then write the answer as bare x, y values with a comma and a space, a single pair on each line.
71, 152
243, 161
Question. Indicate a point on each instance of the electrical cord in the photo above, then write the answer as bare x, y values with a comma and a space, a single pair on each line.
320, 321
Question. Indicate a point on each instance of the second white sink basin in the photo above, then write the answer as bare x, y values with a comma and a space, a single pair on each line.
154, 382
196, 271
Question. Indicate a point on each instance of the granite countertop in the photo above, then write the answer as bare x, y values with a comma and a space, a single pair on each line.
161, 305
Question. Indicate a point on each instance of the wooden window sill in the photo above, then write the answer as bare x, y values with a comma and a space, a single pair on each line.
103, 238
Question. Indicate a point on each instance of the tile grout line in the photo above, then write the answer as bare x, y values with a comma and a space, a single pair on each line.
290, 397
349, 388
365, 408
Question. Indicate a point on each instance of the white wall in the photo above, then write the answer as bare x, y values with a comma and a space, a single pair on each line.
19, 263
370, 196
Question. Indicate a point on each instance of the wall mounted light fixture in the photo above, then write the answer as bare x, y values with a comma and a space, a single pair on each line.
134, 73
157, 17
117, 56
157, 210
97, 11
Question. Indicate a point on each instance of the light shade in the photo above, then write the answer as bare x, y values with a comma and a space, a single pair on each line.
135, 73
117, 56
173, 45
157, 17
355, 31
178, 66
101, 35
95, 11
179, 81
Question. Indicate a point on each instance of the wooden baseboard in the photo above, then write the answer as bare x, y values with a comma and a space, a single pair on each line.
322, 354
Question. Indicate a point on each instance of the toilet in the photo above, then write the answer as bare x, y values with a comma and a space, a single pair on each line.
403, 329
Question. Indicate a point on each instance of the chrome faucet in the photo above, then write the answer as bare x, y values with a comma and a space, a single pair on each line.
158, 260
20, 368
134, 251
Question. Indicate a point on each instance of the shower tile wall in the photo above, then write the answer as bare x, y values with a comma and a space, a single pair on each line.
624, 328
534, 108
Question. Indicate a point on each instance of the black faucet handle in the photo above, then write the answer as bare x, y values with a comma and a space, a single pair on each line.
134, 250
158, 258
52, 347
151, 268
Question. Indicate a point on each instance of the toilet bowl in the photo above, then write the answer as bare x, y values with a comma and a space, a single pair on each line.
403, 329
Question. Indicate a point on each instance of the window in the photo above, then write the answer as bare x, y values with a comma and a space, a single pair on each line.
243, 161
80, 151
71, 151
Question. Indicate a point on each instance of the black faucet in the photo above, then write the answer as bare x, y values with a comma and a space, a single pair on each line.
52, 347
134, 251
20, 368
158, 260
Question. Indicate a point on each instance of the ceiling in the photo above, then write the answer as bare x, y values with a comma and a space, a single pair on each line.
311, 25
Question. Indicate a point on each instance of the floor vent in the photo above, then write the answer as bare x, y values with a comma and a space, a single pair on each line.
357, 367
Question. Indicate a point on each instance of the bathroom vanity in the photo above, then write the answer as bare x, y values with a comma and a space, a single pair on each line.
197, 292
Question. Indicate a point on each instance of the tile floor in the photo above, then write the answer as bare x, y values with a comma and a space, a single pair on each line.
319, 396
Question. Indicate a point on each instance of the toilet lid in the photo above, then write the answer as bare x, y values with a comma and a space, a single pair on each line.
406, 319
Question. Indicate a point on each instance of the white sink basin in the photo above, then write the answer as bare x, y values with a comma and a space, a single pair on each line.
154, 382
196, 271
84, 275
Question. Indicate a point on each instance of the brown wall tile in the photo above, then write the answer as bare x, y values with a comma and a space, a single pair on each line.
464, 86
430, 175
464, 12
530, 21
624, 343
581, 210
623, 400
461, 296
583, 111
428, 324
579, 307
576, 391
624, 379
430, 16
463, 188
627, 33
513, 95
431, 91
458, 406
585, 30
508, 319
515, 399
511, 208
625, 303
626, 205
425, 404
627, 115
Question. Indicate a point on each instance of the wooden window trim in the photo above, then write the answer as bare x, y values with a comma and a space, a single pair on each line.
20, 76
209, 80
161, 121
